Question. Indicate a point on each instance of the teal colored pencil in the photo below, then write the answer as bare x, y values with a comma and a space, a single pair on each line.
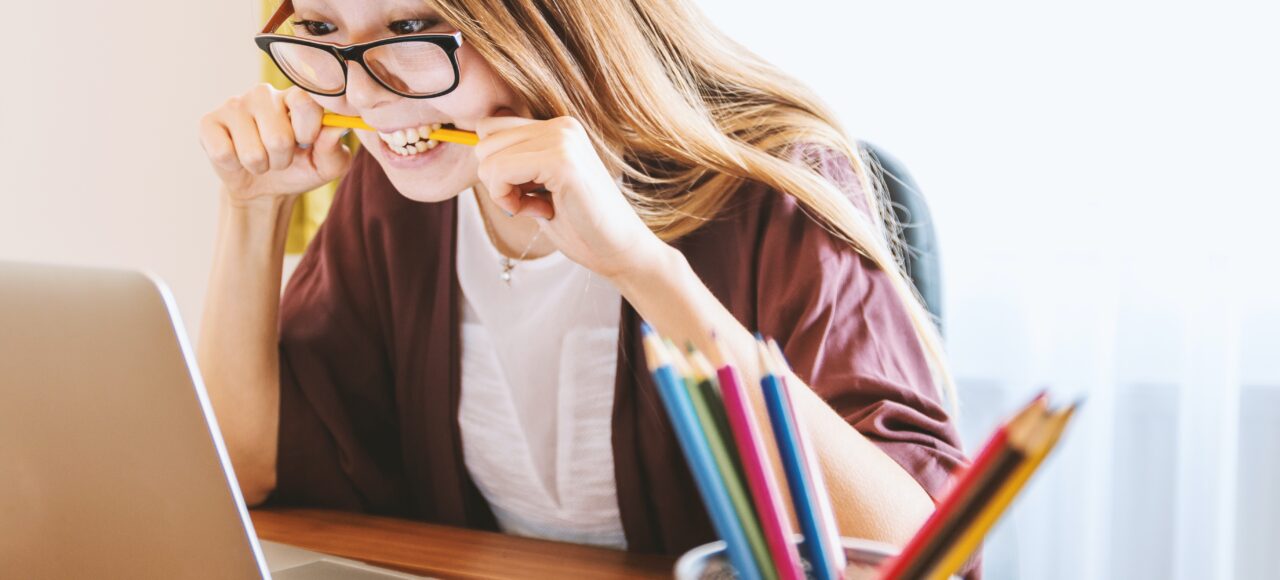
702, 465
706, 399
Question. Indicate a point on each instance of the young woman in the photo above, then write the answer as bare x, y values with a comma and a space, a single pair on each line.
460, 343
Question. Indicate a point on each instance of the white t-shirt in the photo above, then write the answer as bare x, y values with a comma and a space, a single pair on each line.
539, 358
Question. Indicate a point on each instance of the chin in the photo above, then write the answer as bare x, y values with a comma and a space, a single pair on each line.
438, 174
428, 191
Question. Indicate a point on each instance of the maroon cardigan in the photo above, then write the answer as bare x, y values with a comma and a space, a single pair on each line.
369, 360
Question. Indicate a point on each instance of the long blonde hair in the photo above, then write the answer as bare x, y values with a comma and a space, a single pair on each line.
685, 115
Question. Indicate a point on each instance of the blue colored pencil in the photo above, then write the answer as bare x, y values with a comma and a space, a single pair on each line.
826, 515
804, 495
697, 453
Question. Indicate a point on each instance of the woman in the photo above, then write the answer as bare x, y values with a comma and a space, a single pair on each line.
457, 349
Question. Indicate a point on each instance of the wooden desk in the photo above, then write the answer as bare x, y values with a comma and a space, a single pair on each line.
446, 552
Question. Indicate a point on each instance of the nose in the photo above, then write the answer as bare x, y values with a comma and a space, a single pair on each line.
363, 92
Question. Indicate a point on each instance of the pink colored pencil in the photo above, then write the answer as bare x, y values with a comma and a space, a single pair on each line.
765, 491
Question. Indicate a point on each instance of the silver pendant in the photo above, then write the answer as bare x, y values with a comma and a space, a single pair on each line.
507, 266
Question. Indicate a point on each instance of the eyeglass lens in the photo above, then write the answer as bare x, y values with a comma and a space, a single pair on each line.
415, 68
309, 67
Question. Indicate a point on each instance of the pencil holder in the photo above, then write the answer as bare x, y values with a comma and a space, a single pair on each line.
708, 562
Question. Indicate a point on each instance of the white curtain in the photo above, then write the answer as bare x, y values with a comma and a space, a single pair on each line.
1103, 178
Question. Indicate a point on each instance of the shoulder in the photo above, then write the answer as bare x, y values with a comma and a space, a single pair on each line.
781, 222
767, 253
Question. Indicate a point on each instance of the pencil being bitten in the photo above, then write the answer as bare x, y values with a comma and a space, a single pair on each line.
442, 134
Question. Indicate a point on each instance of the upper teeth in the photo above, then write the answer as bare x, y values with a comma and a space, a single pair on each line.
412, 140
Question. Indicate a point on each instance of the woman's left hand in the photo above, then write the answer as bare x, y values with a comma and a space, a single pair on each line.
584, 212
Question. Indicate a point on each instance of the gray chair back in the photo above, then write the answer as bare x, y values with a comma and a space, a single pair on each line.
919, 241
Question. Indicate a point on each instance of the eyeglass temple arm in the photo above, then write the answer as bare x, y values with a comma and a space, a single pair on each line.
284, 11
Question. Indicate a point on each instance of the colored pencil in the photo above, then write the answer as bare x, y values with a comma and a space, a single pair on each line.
803, 494
961, 491
708, 384
702, 464
761, 480
1037, 449
710, 407
716, 426
825, 514
988, 485
980, 479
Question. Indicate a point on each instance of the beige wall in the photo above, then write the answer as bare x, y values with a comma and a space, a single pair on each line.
101, 164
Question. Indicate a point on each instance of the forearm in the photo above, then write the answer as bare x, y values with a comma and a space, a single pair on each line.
237, 350
873, 496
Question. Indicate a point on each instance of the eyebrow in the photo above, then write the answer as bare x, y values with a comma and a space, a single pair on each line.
318, 10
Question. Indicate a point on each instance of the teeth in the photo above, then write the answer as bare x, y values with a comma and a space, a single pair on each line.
406, 142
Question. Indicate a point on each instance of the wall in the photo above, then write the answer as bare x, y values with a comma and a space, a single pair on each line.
100, 157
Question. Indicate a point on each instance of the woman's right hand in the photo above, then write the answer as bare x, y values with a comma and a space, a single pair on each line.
269, 143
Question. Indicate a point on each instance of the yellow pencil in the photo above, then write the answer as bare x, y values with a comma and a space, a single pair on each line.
446, 135
972, 537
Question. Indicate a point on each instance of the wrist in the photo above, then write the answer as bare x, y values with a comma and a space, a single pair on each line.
262, 219
655, 261
257, 204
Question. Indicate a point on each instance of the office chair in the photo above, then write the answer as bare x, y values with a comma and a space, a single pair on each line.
919, 241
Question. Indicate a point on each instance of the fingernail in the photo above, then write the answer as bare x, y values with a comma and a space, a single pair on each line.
304, 145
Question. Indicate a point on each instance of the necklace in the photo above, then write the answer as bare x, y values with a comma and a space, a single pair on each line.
507, 264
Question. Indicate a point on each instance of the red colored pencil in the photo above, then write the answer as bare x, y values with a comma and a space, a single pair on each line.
962, 493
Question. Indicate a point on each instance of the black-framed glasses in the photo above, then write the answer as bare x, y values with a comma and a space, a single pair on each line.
417, 66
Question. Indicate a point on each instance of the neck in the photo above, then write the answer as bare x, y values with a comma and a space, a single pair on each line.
511, 235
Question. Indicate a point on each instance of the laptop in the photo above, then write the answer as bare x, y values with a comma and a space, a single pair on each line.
111, 462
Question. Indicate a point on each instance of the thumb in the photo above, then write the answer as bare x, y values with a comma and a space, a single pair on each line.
329, 155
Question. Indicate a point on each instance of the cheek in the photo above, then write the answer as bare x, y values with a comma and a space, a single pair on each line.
480, 91
335, 104
367, 140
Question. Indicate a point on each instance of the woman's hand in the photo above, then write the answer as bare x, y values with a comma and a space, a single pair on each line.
583, 210
269, 143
